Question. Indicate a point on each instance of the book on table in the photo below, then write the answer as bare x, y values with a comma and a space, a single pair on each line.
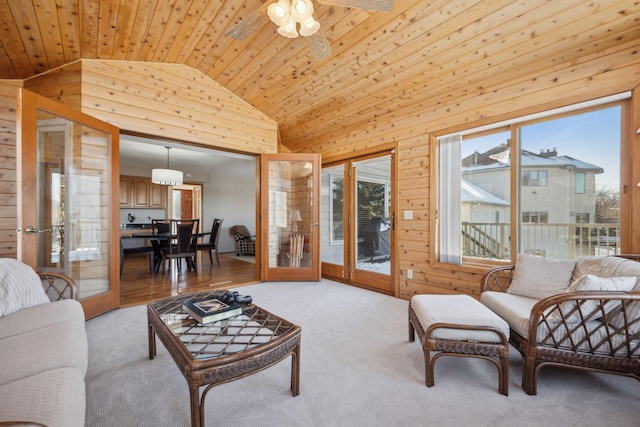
210, 310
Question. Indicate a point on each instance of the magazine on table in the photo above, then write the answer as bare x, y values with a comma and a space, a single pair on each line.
210, 310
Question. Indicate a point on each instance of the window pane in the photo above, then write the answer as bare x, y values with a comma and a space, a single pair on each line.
576, 164
337, 208
332, 213
580, 183
373, 225
486, 194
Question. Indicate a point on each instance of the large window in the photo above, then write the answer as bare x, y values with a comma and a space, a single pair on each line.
530, 186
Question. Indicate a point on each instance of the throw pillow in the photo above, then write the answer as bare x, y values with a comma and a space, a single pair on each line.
537, 277
20, 287
589, 282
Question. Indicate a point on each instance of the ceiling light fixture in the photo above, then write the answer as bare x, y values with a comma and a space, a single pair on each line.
287, 14
167, 176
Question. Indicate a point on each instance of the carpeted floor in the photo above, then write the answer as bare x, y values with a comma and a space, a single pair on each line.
358, 369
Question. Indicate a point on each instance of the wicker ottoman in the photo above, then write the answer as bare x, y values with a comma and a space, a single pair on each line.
459, 325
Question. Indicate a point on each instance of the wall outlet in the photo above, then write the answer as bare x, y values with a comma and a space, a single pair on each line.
408, 214
409, 274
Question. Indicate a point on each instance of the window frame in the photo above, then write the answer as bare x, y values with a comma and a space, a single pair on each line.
622, 100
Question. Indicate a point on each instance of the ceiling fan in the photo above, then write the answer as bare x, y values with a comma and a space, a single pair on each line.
287, 14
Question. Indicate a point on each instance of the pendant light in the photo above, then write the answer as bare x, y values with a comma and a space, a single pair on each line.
169, 177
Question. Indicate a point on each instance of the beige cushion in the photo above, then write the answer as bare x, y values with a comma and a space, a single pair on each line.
459, 310
55, 398
589, 282
63, 345
537, 277
34, 318
20, 287
514, 309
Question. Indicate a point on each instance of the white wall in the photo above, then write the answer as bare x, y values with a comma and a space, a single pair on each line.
230, 194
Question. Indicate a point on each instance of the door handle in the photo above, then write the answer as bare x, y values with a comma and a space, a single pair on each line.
315, 224
33, 230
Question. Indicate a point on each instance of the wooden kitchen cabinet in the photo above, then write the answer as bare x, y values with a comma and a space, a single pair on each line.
140, 192
158, 196
125, 191
141, 187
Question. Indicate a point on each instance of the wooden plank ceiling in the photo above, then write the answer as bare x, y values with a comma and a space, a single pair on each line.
419, 56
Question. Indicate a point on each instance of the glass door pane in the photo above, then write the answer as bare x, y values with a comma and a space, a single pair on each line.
73, 202
372, 215
332, 214
290, 248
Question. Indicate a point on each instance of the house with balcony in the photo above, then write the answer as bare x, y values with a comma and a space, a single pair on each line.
557, 205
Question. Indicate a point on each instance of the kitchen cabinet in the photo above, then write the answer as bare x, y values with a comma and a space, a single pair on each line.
125, 191
158, 196
140, 192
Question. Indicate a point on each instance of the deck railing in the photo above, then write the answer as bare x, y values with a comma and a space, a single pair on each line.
558, 241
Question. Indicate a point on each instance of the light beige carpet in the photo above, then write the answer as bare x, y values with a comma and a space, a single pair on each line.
358, 369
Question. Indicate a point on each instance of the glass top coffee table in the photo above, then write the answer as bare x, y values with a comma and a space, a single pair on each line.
222, 351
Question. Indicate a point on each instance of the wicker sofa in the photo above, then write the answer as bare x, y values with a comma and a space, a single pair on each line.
595, 327
43, 349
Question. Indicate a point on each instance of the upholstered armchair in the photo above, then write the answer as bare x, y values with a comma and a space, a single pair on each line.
245, 242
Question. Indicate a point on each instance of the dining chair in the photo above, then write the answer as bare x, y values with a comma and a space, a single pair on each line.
160, 226
183, 243
136, 250
212, 244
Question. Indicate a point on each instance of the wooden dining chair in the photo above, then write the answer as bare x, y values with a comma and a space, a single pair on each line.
136, 250
183, 243
212, 244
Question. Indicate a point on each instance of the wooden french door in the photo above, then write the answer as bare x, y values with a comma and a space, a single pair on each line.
358, 221
290, 215
67, 198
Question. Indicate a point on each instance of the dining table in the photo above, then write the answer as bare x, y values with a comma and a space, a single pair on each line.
155, 239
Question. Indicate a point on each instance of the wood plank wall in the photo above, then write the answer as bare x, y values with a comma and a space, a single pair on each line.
174, 101
612, 71
165, 100
8, 177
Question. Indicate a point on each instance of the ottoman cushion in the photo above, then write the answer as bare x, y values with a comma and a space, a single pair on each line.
458, 310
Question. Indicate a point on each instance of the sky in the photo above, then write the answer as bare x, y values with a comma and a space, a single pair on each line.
592, 137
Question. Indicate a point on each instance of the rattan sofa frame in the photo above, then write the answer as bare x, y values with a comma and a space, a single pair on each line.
612, 349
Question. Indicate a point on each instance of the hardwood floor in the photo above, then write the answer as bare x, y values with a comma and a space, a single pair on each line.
138, 287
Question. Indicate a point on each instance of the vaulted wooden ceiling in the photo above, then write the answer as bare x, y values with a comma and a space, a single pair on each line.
421, 55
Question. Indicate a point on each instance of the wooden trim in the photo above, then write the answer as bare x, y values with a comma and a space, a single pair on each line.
28, 105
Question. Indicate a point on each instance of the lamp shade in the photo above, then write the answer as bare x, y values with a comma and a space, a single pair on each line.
289, 30
309, 27
279, 12
166, 177
294, 215
301, 10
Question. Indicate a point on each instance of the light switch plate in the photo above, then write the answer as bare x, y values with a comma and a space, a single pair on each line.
408, 214
409, 274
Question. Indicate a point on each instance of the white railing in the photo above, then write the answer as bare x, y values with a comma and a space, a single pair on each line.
558, 241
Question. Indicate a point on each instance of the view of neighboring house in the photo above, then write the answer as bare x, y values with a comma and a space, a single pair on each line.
557, 192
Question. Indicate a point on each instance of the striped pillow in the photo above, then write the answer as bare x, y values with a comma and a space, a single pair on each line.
20, 287
537, 277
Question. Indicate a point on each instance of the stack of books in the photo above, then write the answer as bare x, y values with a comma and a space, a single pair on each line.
210, 310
